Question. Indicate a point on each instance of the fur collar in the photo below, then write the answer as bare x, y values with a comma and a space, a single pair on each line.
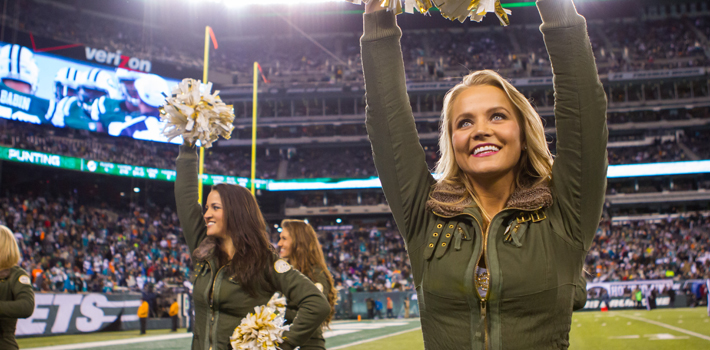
206, 250
450, 200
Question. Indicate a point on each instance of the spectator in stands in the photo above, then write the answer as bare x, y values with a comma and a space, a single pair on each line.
17, 300
232, 234
299, 245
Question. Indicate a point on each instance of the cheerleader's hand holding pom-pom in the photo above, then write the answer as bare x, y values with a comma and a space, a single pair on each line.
196, 114
263, 329
451, 9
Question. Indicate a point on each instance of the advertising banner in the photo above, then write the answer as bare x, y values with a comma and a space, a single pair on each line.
78, 313
626, 303
108, 168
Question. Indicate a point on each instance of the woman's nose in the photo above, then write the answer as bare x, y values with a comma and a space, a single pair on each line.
481, 131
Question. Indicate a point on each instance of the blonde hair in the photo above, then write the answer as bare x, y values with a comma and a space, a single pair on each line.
535, 164
9, 251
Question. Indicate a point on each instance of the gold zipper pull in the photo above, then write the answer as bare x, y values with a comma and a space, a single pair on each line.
481, 329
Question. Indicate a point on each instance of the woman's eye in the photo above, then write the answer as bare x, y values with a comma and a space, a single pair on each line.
464, 123
497, 116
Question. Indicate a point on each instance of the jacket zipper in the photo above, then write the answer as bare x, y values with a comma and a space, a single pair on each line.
483, 304
212, 301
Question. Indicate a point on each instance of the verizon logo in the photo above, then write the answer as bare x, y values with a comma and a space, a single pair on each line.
116, 59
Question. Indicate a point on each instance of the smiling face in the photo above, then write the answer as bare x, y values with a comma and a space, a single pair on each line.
214, 216
285, 244
485, 133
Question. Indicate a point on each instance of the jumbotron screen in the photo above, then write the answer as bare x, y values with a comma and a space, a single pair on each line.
42, 88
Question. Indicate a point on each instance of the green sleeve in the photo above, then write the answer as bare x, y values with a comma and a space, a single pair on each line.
579, 170
23, 303
313, 307
322, 278
290, 314
189, 209
399, 157
580, 293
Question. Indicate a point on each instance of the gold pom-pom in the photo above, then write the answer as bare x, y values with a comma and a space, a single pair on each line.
263, 329
195, 113
451, 9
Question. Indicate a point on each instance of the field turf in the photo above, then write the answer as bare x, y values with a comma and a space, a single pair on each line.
666, 329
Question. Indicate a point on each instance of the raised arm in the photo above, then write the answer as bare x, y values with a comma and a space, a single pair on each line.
313, 307
579, 170
188, 209
399, 158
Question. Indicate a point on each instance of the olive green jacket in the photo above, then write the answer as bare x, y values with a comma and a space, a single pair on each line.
216, 317
317, 341
17, 300
535, 247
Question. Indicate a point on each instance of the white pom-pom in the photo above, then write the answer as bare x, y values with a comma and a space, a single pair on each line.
196, 114
261, 330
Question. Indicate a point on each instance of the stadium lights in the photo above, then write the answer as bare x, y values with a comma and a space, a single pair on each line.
136, 190
242, 3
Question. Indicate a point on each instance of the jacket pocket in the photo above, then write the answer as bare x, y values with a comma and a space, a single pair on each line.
445, 234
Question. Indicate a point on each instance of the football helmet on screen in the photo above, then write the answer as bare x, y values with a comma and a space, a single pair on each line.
18, 63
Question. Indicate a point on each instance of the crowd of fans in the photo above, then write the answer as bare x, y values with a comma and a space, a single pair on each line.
71, 247
429, 54
284, 162
668, 151
676, 248
325, 199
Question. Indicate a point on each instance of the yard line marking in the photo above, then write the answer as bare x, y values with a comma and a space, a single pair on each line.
663, 336
669, 327
626, 337
373, 339
98, 344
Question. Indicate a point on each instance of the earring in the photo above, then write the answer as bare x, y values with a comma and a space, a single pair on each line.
525, 148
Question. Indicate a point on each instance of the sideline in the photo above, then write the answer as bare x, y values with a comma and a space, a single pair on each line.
374, 339
701, 336
98, 344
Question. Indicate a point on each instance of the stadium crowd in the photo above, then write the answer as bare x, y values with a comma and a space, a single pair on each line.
70, 247
676, 248
302, 162
619, 45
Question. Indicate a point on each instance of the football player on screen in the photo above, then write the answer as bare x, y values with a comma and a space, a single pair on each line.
145, 124
19, 78
86, 87
69, 111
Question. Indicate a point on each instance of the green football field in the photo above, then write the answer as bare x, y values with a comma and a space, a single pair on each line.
673, 329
